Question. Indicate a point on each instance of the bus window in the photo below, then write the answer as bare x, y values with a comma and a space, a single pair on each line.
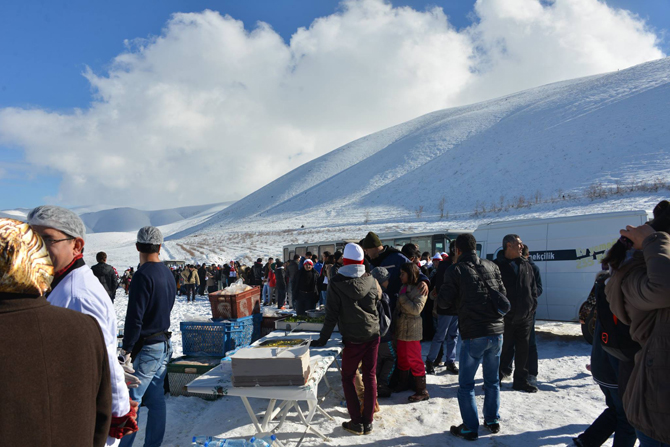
423, 242
479, 250
290, 255
388, 242
329, 248
314, 250
300, 251
286, 259
398, 243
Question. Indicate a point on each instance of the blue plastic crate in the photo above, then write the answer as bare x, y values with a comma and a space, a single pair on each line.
258, 320
202, 338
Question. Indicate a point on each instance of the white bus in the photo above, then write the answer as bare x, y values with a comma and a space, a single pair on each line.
430, 242
567, 250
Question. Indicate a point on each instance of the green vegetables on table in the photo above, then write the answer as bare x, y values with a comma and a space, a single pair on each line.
302, 319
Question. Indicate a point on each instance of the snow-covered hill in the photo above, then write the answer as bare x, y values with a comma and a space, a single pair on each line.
559, 140
131, 219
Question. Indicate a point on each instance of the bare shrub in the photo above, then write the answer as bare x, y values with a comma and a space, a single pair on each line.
418, 211
440, 207
366, 220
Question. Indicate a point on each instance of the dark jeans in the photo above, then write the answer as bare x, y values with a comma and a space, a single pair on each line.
532, 363
303, 301
352, 355
612, 420
516, 338
201, 289
281, 297
646, 441
212, 289
386, 360
190, 291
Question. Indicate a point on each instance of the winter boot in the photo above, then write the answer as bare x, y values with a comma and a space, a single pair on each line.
438, 359
430, 368
403, 381
452, 368
421, 392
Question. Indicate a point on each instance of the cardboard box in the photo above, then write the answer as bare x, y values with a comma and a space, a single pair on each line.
258, 366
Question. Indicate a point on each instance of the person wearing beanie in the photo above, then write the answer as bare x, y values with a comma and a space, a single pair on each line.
352, 305
306, 288
146, 337
390, 258
47, 352
75, 287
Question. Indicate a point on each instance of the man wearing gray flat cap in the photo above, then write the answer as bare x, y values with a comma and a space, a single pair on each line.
146, 337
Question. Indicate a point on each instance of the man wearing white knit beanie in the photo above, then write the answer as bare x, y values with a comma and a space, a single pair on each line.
352, 305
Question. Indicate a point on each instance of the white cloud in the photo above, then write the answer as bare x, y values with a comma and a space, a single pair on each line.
210, 112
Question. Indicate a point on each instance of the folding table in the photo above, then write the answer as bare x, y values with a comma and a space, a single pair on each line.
219, 381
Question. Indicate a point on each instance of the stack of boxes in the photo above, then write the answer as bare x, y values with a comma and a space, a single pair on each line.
236, 323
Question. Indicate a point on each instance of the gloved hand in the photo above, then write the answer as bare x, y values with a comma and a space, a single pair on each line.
131, 381
319, 343
126, 363
124, 425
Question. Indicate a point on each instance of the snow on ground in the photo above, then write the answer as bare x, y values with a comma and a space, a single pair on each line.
567, 403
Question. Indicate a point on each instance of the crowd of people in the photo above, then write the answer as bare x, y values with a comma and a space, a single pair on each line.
385, 301
489, 308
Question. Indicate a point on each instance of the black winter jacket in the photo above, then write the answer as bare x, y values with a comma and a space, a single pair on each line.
257, 274
105, 273
352, 305
282, 279
521, 288
538, 277
465, 292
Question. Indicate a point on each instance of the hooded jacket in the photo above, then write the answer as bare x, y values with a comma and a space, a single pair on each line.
639, 295
519, 281
465, 293
352, 305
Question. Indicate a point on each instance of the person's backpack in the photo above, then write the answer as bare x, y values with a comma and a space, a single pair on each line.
615, 337
384, 312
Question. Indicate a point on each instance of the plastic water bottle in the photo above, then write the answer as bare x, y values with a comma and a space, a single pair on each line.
263, 442
201, 441
228, 443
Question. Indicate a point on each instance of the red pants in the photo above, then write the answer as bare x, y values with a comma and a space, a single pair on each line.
409, 357
352, 355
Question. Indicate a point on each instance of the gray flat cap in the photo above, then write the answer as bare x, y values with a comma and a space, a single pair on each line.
380, 274
61, 219
150, 235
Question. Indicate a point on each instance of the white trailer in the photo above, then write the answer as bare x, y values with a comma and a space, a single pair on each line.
567, 250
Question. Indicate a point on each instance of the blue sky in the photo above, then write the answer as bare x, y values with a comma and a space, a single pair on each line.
46, 45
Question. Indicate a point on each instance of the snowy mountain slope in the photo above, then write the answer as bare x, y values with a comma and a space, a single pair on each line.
131, 219
560, 137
